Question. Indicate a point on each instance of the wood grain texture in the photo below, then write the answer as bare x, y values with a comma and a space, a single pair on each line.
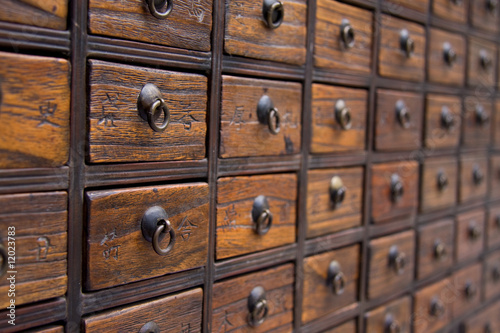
469, 190
40, 222
432, 196
390, 135
491, 285
477, 75
496, 139
451, 11
383, 278
349, 327
439, 232
189, 25
230, 301
34, 111
323, 216
118, 134
175, 313
467, 247
482, 18
51, 329
436, 135
392, 61
488, 316
383, 208
327, 134
396, 6
117, 252
495, 176
459, 280
493, 227
318, 296
400, 310
329, 49
438, 70
423, 321
474, 133
41, 13
241, 133
236, 233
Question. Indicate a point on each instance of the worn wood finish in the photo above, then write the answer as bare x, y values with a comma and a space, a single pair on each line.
399, 310
482, 17
349, 327
495, 176
41, 13
434, 196
319, 298
188, 26
477, 75
230, 301
496, 139
437, 135
476, 133
117, 252
466, 245
52, 329
438, 70
451, 10
396, 6
40, 245
491, 278
236, 230
241, 133
423, 320
469, 189
487, 317
467, 287
118, 134
440, 233
323, 216
175, 313
493, 227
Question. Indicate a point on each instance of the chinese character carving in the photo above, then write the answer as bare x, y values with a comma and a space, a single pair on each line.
186, 328
186, 228
224, 327
46, 111
111, 251
187, 121
43, 248
237, 116
197, 10
110, 102
230, 218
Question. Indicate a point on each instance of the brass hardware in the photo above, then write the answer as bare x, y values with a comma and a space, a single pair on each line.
273, 12
437, 307
477, 175
150, 327
495, 274
155, 225
268, 114
148, 104
160, 8
474, 231
337, 191
406, 43
491, 5
485, 59
397, 188
403, 114
482, 117
440, 251
442, 180
261, 215
397, 260
450, 56
335, 278
3, 260
447, 119
257, 306
470, 289
343, 114
347, 33
391, 324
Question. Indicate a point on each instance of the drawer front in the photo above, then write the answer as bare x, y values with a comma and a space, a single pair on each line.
349, 327
334, 200
47, 13
470, 234
34, 111
467, 283
250, 33
484, 15
176, 313
394, 190
117, 133
493, 227
331, 282
397, 59
243, 134
439, 183
392, 317
432, 307
51, 329
485, 321
473, 177
455, 11
395, 6
399, 120
255, 213
477, 121
120, 252
271, 290
188, 25
492, 275
497, 118
446, 58
338, 119
391, 263
481, 62
443, 120
435, 248
343, 37
34, 227
495, 176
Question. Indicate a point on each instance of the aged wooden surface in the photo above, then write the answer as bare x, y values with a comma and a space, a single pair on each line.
491, 278
117, 252
495, 176
41, 13
349, 327
464, 281
241, 133
327, 133
175, 313
466, 245
329, 49
493, 227
477, 75
230, 301
118, 134
189, 24
400, 310
438, 70
236, 230
439, 233
455, 11
40, 245
496, 140
434, 196
52, 329
469, 188
396, 6
423, 320
323, 216
476, 133
488, 316
437, 135
319, 297
482, 17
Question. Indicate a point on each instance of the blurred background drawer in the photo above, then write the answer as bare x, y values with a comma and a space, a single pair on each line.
433, 304
482, 59
492, 275
42, 13
470, 235
493, 227
473, 177
392, 317
435, 247
349, 327
495, 176
477, 121
439, 184
485, 321
451, 10
443, 121
485, 14
467, 282
446, 58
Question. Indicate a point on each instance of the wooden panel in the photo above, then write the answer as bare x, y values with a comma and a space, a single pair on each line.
467, 285
329, 49
349, 327
493, 227
379, 319
438, 70
471, 189
236, 230
484, 18
467, 245
424, 321
437, 135
432, 238
323, 216
492, 276
116, 249
247, 35
40, 245
477, 75
41, 13
396, 6
495, 175
486, 318
230, 301
319, 297
175, 313
189, 24
52, 329
497, 119
476, 133
241, 132
434, 194
118, 134
455, 11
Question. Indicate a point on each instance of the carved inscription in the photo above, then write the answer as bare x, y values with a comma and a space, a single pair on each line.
186, 328
226, 324
186, 228
110, 103
238, 116
197, 10
111, 251
187, 120
43, 248
230, 218
47, 109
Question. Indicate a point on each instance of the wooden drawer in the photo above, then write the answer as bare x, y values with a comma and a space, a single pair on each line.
446, 58
42, 13
495, 175
331, 282
233, 309
439, 183
255, 213
117, 133
34, 111
477, 121
493, 227
392, 317
249, 34
50, 329
470, 234
481, 69
188, 25
435, 247
485, 321
485, 15
394, 190
455, 11
119, 251
399, 120
396, 58
467, 284
443, 120
242, 134
496, 139
473, 177
334, 200
432, 307
175, 313
343, 37
33, 230
396, 6
492, 275
349, 327
392, 261
338, 119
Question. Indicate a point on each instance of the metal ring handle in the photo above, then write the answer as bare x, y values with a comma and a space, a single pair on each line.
403, 114
477, 175
406, 43
156, 237
347, 33
485, 59
160, 103
338, 283
397, 188
447, 118
337, 190
273, 12
482, 117
3, 260
261, 226
474, 231
391, 324
442, 180
258, 308
397, 260
150, 99
150, 327
437, 308
470, 289
274, 121
343, 114
440, 251
450, 56
155, 4
491, 5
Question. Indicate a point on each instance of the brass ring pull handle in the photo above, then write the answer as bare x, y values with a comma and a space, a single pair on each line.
406, 43
343, 115
437, 307
149, 103
491, 5
337, 191
397, 188
442, 180
450, 56
397, 260
474, 231
3, 260
156, 6
336, 278
391, 324
268, 114
447, 119
150, 327
485, 59
273, 12
261, 215
155, 225
470, 289
477, 175
440, 251
482, 117
347, 33
403, 114
257, 307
